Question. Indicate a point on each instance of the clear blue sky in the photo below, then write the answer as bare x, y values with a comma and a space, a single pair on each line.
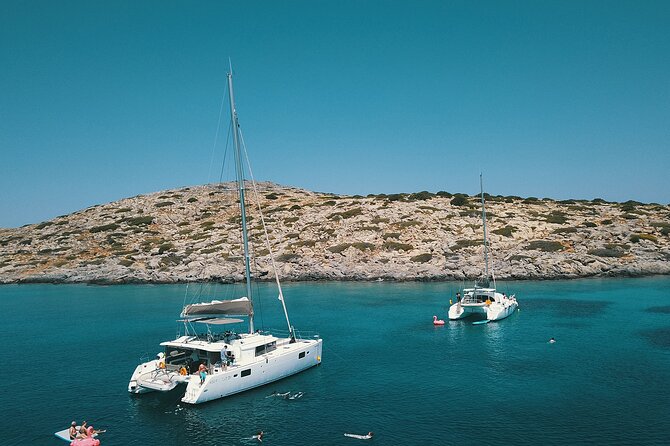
562, 99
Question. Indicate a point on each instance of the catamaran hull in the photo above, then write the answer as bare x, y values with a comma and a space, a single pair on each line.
149, 377
287, 360
493, 312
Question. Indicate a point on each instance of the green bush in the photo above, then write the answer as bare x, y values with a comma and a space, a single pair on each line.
351, 213
109, 227
362, 246
337, 249
406, 224
419, 196
545, 245
171, 259
272, 196
588, 224
165, 247
378, 220
287, 257
139, 221
43, 225
460, 244
388, 235
557, 217
192, 200
604, 252
422, 258
396, 197
506, 231
396, 246
301, 243
163, 204
635, 238
568, 230
459, 200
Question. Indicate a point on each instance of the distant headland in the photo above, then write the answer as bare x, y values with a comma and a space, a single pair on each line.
192, 234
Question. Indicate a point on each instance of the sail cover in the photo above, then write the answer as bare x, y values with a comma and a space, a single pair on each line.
235, 307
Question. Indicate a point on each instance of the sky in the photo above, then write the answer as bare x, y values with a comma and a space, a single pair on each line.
560, 99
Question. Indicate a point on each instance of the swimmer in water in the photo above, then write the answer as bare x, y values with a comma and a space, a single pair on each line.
552, 340
258, 436
360, 437
296, 396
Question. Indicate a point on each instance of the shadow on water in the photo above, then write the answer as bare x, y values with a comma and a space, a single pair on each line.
568, 308
659, 337
661, 310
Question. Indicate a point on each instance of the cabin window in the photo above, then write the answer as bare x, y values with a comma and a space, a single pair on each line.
301, 355
176, 355
267, 348
246, 372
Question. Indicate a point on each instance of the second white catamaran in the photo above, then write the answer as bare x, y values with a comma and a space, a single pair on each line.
219, 363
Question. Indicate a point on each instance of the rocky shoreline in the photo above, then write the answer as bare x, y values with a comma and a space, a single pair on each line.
192, 234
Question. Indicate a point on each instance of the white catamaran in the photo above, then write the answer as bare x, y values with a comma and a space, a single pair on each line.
217, 364
483, 299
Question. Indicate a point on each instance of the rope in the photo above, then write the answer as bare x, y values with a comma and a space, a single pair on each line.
225, 152
216, 135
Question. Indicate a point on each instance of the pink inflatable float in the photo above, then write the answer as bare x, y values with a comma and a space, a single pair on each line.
88, 441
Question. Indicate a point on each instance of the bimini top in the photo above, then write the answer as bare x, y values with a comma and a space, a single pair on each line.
235, 307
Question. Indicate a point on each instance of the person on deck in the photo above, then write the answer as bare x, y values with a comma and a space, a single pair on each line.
203, 372
224, 357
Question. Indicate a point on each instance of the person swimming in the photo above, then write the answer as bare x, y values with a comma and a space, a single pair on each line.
360, 437
258, 436
296, 395
552, 340
275, 393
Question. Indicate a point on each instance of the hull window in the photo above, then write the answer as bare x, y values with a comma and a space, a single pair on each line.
301, 355
246, 372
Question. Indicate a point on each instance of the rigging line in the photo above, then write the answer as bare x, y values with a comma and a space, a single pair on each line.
267, 238
225, 152
216, 135
259, 301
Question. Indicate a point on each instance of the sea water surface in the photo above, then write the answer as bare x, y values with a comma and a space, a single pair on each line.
69, 350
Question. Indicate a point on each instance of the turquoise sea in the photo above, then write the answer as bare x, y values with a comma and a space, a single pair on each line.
69, 350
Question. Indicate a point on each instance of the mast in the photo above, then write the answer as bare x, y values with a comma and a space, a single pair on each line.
486, 244
240, 185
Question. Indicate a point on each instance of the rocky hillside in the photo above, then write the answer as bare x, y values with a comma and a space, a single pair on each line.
192, 234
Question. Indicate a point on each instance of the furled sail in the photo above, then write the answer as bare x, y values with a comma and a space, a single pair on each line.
235, 307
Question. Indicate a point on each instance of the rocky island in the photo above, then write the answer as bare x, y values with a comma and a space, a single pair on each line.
192, 234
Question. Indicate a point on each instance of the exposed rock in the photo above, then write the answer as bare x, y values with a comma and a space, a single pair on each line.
192, 234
